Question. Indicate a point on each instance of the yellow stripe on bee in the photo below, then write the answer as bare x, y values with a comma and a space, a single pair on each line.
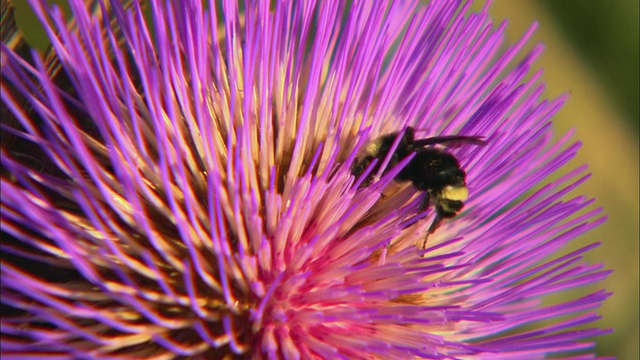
459, 193
372, 148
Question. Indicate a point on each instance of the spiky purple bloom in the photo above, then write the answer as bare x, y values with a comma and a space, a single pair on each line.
193, 195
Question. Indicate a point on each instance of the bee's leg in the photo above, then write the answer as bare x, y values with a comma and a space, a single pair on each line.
445, 209
422, 207
426, 202
434, 225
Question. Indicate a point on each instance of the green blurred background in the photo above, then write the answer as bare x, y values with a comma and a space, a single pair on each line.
592, 53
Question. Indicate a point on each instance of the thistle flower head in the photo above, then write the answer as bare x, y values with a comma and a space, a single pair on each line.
192, 191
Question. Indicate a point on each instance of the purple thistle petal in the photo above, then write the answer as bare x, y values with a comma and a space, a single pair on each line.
195, 195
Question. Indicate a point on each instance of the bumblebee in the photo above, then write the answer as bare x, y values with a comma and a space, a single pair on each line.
432, 170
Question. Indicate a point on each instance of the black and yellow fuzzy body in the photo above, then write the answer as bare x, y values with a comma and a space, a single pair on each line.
432, 170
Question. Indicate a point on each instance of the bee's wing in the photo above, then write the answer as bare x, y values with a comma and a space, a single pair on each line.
450, 140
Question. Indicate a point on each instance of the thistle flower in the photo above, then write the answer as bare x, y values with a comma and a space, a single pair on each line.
181, 186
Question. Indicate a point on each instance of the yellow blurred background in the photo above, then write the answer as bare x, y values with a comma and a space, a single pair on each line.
592, 53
